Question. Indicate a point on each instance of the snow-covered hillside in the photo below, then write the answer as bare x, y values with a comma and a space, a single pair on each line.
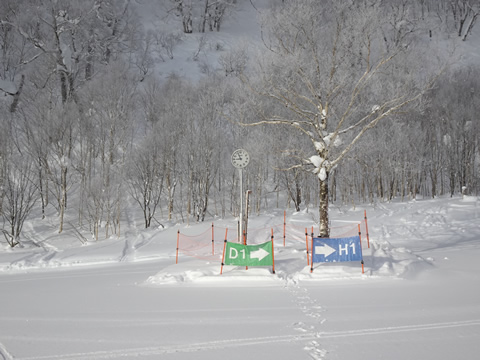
198, 54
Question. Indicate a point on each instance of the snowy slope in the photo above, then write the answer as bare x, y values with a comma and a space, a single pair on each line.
126, 298
197, 54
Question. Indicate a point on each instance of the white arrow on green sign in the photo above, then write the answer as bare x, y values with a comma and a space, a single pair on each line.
249, 255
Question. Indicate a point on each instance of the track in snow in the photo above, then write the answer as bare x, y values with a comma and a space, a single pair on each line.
233, 343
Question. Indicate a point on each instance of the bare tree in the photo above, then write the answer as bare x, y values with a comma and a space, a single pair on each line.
18, 196
200, 14
112, 100
453, 126
203, 149
15, 54
184, 9
167, 109
214, 13
48, 134
331, 88
234, 61
145, 177
465, 12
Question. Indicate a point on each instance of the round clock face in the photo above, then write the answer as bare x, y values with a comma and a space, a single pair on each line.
240, 158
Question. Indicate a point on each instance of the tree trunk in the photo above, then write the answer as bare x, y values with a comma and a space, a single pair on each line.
171, 185
323, 196
205, 16
63, 201
298, 195
470, 26
16, 96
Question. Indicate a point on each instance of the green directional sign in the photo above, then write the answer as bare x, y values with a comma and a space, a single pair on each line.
249, 255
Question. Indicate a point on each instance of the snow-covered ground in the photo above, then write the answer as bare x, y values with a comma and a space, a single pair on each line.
126, 297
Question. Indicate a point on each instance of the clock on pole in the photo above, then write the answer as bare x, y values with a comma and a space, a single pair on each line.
240, 159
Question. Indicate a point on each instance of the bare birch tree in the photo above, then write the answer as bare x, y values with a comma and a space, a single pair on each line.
331, 81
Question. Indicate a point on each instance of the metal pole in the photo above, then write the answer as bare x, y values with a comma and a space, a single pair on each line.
240, 240
247, 193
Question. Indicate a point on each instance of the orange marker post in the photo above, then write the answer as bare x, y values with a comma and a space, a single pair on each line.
245, 243
360, 235
284, 224
311, 254
224, 246
306, 244
273, 256
178, 239
366, 229
361, 250
213, 242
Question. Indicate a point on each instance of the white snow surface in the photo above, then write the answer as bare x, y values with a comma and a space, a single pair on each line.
126, 297
8, 86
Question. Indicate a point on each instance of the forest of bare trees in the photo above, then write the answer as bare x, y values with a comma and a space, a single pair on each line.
347, 102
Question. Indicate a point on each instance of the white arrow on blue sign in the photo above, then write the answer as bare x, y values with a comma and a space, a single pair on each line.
336, 250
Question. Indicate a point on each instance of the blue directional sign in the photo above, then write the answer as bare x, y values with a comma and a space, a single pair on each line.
336, 250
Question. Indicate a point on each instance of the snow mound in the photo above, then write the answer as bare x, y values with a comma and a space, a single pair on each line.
387, 260
194, 272
382, 260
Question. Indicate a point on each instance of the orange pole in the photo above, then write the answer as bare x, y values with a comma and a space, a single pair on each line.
178, 239
213, 242
361, 250
245, 243
273, 255
366, 229
311, 252
224, 246
360, 235
306, 243
284, 224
